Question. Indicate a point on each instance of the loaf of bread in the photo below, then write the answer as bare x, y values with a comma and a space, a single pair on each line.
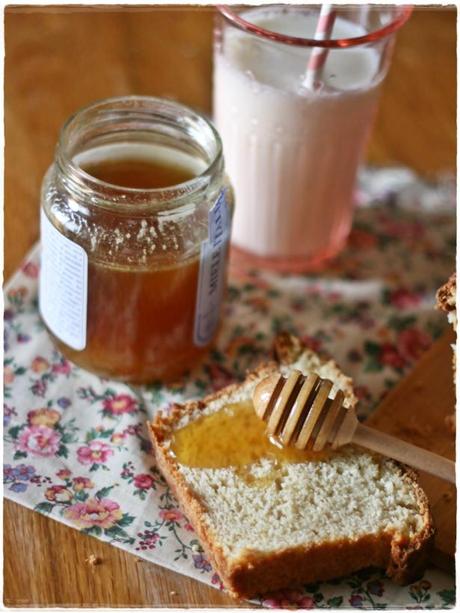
317, 520
447, 300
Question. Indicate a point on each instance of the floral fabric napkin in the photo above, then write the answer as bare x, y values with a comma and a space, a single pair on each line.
75, 445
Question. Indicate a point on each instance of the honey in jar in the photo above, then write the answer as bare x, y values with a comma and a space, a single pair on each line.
143, 223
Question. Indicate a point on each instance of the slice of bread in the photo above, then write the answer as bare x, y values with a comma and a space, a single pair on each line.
317, 520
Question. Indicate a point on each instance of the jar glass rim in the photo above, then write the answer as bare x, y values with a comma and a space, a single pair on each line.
402, 14
168, 193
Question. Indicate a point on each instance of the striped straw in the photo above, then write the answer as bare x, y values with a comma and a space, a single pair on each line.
319, 55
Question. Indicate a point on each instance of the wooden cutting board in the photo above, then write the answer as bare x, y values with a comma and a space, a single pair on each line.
420, 410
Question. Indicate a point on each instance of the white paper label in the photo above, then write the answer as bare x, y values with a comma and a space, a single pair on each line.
63, 285
211, 279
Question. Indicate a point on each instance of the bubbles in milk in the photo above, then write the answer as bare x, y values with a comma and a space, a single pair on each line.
284, 66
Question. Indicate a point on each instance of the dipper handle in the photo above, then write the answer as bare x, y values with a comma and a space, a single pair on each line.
405, 452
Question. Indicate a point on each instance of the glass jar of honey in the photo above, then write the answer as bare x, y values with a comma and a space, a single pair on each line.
135, 226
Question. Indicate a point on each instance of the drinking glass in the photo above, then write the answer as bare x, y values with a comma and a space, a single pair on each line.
293, 148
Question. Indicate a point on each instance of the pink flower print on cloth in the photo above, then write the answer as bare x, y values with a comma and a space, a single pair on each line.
58, 493
96, 452
103, 513
120, 404
39, 440
412, 343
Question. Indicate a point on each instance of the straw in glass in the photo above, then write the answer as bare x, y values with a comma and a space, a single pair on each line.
319, 55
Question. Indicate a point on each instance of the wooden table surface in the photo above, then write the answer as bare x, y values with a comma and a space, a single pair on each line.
59, 59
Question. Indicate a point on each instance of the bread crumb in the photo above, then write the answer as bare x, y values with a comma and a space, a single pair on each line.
93, 560
172, 593
449, 420
416, 428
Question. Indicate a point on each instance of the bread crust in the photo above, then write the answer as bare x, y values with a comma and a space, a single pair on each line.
446, 300
256, 573
446, 294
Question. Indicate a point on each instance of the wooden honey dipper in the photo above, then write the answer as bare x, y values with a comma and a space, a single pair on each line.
299, 412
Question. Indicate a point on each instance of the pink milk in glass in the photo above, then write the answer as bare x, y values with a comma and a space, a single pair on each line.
292, 151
